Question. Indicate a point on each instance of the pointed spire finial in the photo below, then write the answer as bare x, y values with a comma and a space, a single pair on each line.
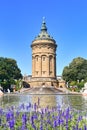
43, 19
43, 27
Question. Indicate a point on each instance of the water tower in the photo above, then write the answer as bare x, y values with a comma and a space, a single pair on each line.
43, 59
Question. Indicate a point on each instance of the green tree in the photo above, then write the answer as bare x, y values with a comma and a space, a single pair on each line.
9, 72
77, 70
73, 83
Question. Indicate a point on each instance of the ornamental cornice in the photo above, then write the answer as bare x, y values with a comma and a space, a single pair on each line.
43, 53
46, 44
35, 42
44, 40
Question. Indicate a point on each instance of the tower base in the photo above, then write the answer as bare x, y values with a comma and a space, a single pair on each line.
42, 81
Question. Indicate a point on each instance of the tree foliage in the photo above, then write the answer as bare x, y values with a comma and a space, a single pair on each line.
77, 70
9, 71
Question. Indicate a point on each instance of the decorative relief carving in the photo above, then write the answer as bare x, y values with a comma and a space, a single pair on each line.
44, 44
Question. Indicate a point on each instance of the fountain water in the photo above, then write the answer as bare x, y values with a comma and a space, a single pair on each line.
43, 90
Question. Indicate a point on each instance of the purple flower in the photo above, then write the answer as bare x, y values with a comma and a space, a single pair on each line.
62, 122
76, 126
67, 127
35, 106
80, 128
24, 118
32, 120
73, 127
79, 118
11, 124
22, 106
55, 123
42, 111
23, 127
1, 111
33, 125
85, 128
49, 122
8, 116
35, 116
0, 121
12, 107
58, 120
28, 106
38, 101
17, 113
45, 110
41, 127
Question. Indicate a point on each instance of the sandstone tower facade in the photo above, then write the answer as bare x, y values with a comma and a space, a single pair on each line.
43, 59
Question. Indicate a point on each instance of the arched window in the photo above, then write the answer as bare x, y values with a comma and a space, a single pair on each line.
36, 57
43, 58
43, 65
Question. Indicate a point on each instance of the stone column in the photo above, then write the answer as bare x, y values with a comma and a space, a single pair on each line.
47, 66
53, 66
40, 66
33, 66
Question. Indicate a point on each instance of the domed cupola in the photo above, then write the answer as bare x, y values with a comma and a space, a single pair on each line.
43, 35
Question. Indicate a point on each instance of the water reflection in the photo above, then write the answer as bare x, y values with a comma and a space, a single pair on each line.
45, 100
9, 100
77, 102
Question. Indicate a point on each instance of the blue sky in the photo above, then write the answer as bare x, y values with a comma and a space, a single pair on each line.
20, 22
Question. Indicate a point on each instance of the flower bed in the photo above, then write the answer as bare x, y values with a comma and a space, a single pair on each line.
32, 117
